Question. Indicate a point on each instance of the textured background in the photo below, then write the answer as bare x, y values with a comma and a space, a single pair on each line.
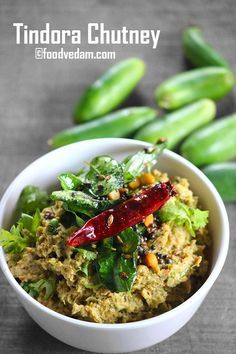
36, 98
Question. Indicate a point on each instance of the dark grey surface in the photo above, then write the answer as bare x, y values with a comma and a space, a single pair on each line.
36, 98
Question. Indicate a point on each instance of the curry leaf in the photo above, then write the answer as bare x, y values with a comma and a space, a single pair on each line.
78, 220
80, 202
106, 244
105, 266
69, 181
130, 240
133, 165
105, 175
124, 273
116, 272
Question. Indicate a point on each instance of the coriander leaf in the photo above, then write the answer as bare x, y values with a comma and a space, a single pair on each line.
25, 221
176, 212
130, 240
80, 202
33, 198
49, 285
46, 285
30, 290
69, 181
35, 222
84, 268
199, 218
12, 241
28, 222
27, 226
124, 273
21, 235
133, 165
88, 255
181, 214
105, 175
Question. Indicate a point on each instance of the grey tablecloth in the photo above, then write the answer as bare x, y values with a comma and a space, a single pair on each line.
36, 99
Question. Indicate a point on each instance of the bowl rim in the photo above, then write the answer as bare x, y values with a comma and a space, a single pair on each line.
205, 287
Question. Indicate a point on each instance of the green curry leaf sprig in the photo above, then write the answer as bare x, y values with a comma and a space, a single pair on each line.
133, 165
86, 192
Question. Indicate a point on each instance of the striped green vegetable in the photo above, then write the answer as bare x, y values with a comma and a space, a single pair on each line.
117, 124
213, 143
177, 125
189, 86
110, 90
223, 176
198, 51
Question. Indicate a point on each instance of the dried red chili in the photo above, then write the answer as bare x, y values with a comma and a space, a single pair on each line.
122, 216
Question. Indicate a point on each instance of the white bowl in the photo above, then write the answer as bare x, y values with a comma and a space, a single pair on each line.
112, 338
